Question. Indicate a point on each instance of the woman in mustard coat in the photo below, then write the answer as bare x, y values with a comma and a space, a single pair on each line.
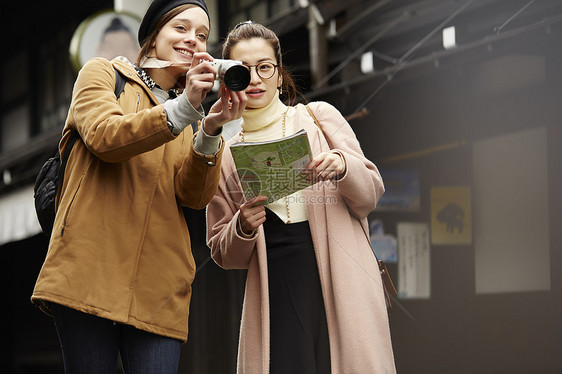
117, 276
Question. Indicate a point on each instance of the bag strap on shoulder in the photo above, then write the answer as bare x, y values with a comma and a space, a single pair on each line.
119, 83
314, 118
119, 87
66, 155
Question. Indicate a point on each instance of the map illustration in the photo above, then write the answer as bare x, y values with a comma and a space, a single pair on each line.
273, 168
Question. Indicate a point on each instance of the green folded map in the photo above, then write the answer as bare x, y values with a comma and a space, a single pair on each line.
272, 168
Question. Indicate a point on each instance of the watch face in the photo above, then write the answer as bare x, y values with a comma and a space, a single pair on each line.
105, 34
174, 130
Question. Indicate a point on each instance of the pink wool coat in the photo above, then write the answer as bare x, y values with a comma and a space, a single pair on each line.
351, 284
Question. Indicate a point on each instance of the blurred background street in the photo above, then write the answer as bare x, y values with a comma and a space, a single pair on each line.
458, 102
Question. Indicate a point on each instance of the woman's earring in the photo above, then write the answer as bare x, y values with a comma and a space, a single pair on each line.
280, 90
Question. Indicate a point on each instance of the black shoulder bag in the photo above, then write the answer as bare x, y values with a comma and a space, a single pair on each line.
52, 173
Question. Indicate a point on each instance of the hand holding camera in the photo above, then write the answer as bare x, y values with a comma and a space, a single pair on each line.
198, 82
233, 74
232, 100
200, 78
230, 106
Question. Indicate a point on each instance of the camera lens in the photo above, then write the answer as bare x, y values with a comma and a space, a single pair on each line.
236, 78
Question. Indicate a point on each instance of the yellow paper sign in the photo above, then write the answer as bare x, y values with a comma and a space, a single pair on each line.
451, 218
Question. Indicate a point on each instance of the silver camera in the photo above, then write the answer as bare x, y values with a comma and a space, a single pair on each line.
232, 73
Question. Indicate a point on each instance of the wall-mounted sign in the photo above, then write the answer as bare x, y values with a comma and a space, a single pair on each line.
402, 191
414, 260
451, 218
105, 34
384, 245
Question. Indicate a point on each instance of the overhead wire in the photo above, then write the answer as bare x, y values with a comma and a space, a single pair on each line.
411, 51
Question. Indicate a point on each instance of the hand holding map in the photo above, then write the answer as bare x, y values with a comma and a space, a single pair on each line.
273, 168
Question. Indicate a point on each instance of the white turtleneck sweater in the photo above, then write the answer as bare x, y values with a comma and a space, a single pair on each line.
267, 124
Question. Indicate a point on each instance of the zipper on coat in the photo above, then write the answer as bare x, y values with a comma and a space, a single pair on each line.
138, 102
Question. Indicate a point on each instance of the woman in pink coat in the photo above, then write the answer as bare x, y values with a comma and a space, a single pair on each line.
314, 300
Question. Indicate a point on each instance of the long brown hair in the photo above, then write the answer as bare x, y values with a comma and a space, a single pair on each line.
151, 38
248, 30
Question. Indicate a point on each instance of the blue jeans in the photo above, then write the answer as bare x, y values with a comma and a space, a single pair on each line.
91, 345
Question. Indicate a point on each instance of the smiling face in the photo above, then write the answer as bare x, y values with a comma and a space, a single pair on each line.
251, 52
182, 36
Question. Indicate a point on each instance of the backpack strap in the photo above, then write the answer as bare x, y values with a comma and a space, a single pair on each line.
66, 155
119, 87
119, 83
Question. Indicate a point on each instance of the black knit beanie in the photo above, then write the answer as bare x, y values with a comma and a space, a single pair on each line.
157, 9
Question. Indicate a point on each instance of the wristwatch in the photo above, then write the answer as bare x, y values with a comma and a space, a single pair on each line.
173, 129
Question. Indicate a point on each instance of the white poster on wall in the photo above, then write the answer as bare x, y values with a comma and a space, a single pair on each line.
413, 260
510, 210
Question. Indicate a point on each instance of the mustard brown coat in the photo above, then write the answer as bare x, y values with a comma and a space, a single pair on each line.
358, 325
120, 247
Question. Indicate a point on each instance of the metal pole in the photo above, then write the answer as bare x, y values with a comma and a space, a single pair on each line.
318, 45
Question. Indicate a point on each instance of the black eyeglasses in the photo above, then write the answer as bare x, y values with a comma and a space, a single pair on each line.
265, 70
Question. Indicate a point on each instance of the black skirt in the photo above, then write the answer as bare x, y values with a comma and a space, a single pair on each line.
298, 327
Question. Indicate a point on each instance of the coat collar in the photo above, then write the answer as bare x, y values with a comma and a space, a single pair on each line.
126, 68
